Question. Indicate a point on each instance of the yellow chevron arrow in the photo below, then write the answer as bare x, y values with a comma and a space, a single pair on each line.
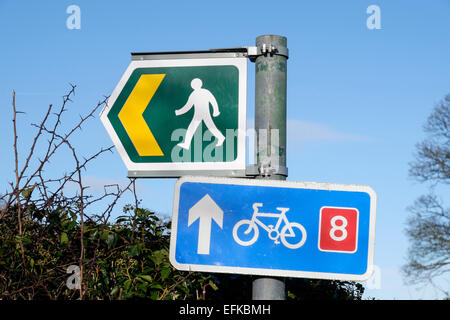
131, 115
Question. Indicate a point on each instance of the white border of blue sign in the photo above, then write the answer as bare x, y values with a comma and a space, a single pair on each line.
275, 272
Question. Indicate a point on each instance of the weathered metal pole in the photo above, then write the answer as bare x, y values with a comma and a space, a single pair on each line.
270, 127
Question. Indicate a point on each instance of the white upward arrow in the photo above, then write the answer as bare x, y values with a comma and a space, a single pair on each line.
205, 210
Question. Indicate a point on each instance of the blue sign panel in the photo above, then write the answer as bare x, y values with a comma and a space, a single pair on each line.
279, 228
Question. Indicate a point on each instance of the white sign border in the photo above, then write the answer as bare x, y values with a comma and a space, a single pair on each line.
275, 272
238, 164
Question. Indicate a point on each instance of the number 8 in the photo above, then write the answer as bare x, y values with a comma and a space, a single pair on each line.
338, 228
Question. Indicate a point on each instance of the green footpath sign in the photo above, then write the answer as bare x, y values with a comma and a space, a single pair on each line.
180, 114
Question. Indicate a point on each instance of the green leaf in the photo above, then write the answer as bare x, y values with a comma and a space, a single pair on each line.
213, 285
156, 286
114, 291
127, 284
111, 240
122, 219
165, 272
158, 256
154, 295
26, 193
64, 239
26, 240
143, 288
134, 250
146, 278
104, 235
94, 234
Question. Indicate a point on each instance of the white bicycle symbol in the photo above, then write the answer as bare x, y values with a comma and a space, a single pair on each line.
273, 232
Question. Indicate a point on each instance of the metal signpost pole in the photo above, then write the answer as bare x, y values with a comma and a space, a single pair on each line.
270, 127
228, 243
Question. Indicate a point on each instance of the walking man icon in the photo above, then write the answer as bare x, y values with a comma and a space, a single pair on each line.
200, 99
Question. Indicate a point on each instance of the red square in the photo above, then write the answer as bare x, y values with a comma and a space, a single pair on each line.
338, 229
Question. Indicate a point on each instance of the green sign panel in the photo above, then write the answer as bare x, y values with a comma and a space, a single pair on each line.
180, 116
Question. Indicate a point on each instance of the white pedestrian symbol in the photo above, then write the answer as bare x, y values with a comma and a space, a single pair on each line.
200, 99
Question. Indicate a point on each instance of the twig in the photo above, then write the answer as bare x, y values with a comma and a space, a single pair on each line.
174, 285
17, 191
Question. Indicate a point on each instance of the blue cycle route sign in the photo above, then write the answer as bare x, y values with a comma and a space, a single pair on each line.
276, 228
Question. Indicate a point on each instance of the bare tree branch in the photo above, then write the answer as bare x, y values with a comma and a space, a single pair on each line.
428, 227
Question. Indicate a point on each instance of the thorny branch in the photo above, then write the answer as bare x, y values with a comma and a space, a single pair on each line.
31, 177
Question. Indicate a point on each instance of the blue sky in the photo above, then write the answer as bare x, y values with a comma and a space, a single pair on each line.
357, 98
